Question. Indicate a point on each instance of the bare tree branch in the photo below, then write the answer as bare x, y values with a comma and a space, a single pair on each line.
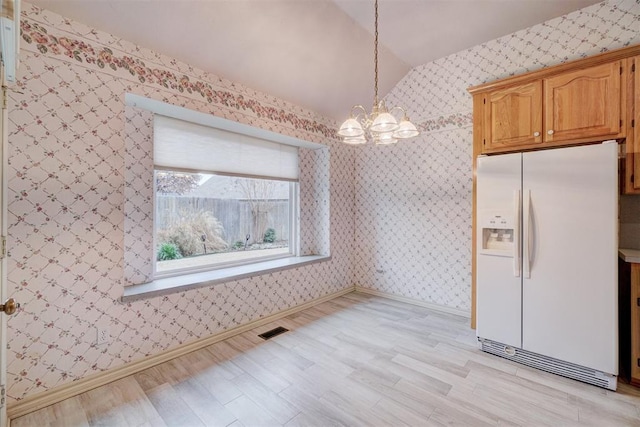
258, 193
177, 183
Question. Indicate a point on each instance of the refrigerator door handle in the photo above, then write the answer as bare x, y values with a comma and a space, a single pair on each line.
516, 232
526, 233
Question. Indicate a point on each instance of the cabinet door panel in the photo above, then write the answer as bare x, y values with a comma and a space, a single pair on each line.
630, 164
513, 117
635, 146
583, 104
635, 324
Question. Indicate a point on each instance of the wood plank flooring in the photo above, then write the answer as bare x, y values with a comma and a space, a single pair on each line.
355, 360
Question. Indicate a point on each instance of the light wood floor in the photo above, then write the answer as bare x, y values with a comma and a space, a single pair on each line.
355, 360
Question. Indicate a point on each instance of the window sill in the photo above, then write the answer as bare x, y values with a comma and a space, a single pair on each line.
186, 282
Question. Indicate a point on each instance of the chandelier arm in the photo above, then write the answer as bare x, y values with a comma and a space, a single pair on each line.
404, 112
355, 108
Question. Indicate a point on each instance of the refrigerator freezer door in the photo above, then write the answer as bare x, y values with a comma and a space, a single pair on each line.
570, 299
498, 281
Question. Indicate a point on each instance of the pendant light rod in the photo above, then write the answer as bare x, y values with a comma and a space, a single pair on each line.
375, 57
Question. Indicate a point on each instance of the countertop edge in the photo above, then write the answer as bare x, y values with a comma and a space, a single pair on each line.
629, 255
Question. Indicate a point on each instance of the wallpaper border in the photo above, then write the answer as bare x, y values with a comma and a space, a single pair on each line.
447, 122
104, 58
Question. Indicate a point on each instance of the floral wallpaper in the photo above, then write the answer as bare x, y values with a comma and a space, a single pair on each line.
138, 196
413, 199
68, 180
400, 216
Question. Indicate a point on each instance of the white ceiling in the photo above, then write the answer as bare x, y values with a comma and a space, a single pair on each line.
314, 53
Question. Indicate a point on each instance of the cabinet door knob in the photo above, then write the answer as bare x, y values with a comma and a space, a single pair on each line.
536, 134
550, 132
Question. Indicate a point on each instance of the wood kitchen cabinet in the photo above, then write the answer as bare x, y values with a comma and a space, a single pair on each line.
631, 164
513, 117
584, 104
635, 324
629, 316
579, 106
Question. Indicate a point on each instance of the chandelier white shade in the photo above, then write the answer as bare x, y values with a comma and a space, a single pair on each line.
379, 126
351, 128
354, 140
384, 122
406, 129
385, 138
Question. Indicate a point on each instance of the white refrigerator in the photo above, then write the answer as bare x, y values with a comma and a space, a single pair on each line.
547, 224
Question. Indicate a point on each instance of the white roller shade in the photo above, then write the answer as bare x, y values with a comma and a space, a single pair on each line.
184, 145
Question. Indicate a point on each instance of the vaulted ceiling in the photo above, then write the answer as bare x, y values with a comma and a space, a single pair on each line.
314, 53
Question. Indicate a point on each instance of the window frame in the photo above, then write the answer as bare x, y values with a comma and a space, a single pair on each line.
138, 279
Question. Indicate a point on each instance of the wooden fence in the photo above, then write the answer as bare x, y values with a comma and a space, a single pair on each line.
234, 215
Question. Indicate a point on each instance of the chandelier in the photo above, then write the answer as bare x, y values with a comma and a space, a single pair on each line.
379, 126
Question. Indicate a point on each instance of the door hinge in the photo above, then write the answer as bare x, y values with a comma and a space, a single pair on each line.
620, 70
3, 394
620, 122
484, 101
638, 302
639, 362
631, 178
633, 68
4, 97
484, 141
3, 251
633, 123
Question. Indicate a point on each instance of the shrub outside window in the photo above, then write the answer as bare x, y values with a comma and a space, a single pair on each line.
205, 221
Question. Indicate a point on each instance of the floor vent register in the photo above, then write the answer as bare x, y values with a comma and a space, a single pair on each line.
273, 333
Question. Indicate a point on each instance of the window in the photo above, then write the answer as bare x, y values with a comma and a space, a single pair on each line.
221, 198
203, 150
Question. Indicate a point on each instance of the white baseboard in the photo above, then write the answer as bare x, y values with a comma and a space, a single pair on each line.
58, 394
432, 306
